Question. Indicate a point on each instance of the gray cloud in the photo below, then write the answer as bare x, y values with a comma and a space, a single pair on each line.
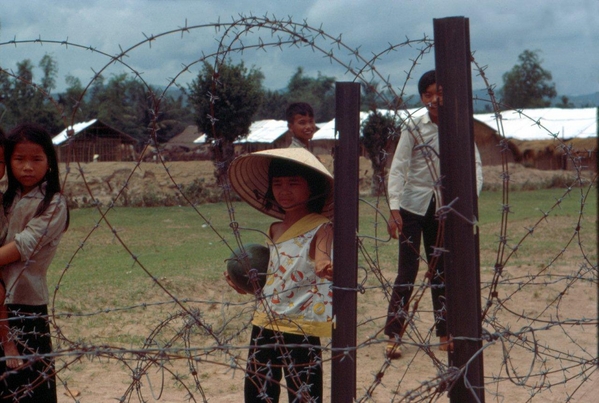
565, 32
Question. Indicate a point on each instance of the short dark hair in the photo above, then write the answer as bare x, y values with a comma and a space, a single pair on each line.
2, 137
298, 108
319, 186
429, 78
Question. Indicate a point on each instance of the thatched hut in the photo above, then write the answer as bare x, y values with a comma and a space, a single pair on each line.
493, 149
559, 154
189, 145
549, 139
187, 140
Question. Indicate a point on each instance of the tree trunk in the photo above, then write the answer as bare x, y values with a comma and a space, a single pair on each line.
377, 184
223, 153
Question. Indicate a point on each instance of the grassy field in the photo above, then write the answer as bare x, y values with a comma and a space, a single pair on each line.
131, 250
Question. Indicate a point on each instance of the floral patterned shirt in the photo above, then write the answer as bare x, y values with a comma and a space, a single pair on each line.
295, 300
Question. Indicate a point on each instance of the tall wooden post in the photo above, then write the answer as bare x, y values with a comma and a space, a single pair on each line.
345, 247
456, 149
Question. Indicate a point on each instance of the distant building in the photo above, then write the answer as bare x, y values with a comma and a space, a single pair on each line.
263, 135
93, 141
548, 138
186, 140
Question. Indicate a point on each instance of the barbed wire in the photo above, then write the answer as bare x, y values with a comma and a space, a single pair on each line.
537, 338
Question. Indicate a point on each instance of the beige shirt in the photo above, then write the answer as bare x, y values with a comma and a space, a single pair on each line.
414, 171
296, 143
36, 239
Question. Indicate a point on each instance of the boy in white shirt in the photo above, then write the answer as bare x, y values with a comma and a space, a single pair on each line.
413, 188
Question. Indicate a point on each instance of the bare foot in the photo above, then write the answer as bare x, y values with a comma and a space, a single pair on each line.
393, 350
10, 350
445, 344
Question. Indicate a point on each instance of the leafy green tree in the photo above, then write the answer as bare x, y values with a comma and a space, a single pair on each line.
565, 103
50, 70
123, 103
528, 84
173, 116
26, 101
318, 92
371, 97
130, 106
19, 96
225, 101
114, 104
73, 102
273, 105
48, 115
378, 131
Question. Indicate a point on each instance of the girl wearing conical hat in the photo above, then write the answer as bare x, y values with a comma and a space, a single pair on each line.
295, 305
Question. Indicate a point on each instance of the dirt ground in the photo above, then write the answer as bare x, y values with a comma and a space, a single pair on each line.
103, 380
96, 379
104, 180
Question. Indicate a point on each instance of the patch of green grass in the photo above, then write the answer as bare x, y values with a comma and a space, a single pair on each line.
139, 244
163, 240
530, 204
142, 256
139, 256
540, 225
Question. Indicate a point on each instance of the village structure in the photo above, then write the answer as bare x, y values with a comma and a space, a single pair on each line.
549, 139
93, 141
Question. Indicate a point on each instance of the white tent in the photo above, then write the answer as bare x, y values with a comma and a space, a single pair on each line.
528, 124
543, 124
327, 131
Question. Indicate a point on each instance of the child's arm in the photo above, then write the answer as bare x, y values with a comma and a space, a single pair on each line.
323, 242
9, 253
41, 230
9, 346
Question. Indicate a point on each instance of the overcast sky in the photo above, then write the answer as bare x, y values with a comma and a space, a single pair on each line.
566, 32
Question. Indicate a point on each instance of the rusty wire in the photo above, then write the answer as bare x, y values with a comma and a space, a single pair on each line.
186, 339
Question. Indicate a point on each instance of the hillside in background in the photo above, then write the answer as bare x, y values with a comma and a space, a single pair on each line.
481, 100
582, 101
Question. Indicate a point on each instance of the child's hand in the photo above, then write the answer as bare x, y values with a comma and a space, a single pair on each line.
232, 285
10, 350
324, 270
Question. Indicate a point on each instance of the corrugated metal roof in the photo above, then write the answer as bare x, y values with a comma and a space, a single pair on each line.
261, 131
265, 131
544, 124
77, 127
268, 130
200, 140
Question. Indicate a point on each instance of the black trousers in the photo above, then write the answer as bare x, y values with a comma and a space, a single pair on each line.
36, 382
415, 228
272, 353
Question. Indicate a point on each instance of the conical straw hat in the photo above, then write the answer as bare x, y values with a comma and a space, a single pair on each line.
248, 175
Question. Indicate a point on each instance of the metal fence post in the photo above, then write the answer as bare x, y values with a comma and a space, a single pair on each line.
458, 184
345, 247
